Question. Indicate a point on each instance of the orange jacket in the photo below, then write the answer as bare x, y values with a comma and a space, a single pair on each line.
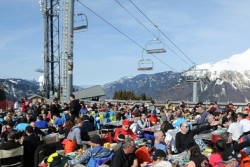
143, 155
153, 119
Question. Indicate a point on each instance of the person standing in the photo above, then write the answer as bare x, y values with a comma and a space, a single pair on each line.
55, 108
37, 109
74, 107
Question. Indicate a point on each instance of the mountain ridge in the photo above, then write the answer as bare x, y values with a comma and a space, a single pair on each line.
230, 81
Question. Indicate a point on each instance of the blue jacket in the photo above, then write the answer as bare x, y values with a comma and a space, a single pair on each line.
21, 126
41, 124
83, 111
96, 152
59, 121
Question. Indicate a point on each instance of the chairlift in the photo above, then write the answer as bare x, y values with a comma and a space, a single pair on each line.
156, 45
178, 87
29, 92
179, 84
80, 22
145, 64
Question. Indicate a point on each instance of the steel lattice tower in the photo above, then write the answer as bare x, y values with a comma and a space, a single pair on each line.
50, 10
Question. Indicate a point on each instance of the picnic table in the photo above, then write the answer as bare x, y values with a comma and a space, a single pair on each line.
114, 123
152, 129
205, 136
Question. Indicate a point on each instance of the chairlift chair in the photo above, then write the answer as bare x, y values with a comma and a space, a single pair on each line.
29, 92
145, 65
178, 87
155, 46
80, 22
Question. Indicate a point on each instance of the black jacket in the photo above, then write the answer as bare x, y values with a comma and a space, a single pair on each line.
182, 140
55, 109
10, 144
238, 146
120, 159
75, 107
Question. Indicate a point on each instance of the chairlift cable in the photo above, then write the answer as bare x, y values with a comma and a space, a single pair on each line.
110, 24
136, 19
151, 32
163, 34
123, 33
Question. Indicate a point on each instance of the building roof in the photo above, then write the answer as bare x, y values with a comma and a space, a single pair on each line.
95, 91
35, 95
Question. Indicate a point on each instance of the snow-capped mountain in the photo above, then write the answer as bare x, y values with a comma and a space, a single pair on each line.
16, 87
229, 81
150, 84
234, 70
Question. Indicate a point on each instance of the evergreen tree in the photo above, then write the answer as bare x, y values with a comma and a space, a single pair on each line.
119, 95
143, 96
124, 95
2, 95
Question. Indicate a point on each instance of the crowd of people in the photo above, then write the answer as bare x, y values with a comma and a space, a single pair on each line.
24, 125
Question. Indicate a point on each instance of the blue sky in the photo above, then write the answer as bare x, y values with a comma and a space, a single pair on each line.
206, 31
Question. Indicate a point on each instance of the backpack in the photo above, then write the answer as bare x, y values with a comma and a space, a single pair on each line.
92, 162
245, 162
54, 160
95, 162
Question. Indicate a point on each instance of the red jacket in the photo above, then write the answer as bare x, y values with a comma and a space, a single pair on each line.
122, 131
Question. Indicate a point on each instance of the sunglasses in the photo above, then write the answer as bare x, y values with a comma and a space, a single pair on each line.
125, 126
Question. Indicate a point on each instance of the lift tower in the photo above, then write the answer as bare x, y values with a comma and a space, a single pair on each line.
195, 76
66, 87
50, 10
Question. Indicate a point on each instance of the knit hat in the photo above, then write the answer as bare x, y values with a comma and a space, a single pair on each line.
125, 122
159, 154
96, 139
228, 155
121, 137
